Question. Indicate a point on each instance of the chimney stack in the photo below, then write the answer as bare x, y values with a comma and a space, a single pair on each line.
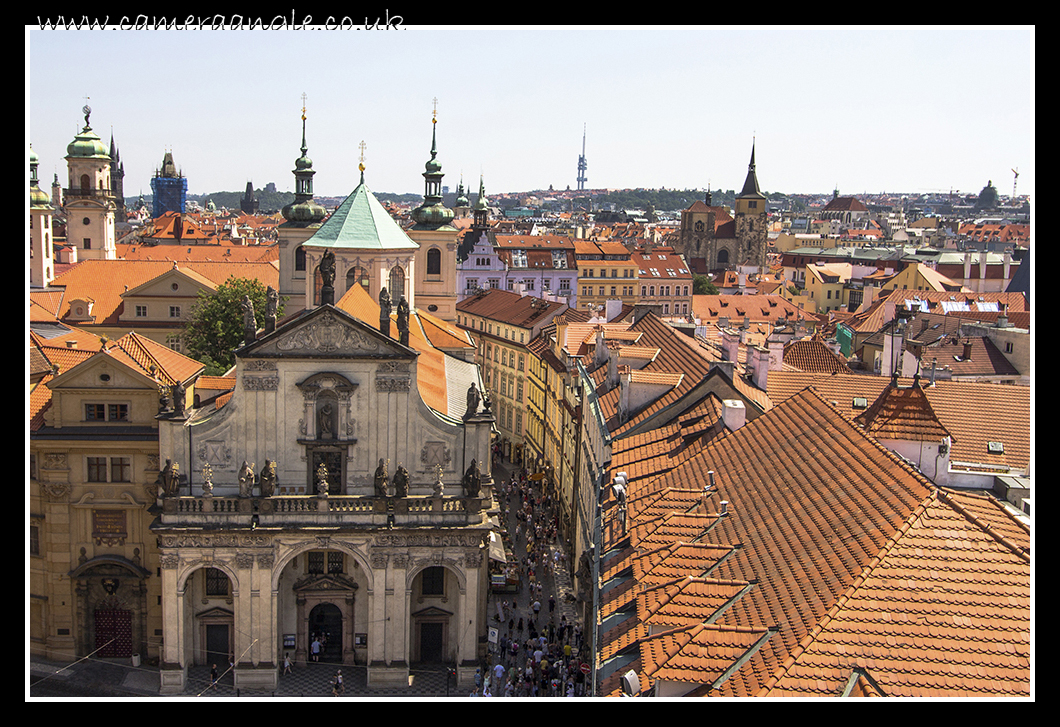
760, 364
735, 414
967, 356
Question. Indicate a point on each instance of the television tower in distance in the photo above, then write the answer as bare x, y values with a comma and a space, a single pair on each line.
582, 164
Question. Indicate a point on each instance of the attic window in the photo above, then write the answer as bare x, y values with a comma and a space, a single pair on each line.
860, 402
995, 447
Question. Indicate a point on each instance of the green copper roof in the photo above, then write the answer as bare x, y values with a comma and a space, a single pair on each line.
87, 145
361, 223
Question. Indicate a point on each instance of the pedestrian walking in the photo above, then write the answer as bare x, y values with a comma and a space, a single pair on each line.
315, 649
286, 664
551, 603
338, 682
213, 676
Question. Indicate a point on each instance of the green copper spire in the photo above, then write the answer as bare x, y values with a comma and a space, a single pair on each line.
304, 210
432, 214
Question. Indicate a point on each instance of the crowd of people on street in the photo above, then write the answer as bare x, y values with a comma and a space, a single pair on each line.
537, 651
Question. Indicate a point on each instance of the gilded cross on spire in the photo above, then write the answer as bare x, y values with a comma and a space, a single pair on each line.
361, 165
434, 114
303, 107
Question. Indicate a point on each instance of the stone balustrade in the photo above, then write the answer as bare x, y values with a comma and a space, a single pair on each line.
341, 511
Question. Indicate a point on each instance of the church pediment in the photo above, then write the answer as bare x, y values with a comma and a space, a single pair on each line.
315, 583
431, 612
326, 332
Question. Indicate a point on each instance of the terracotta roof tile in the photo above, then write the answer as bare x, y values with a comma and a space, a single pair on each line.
959, 406
813, 355
802, 541
902, 413
942, 612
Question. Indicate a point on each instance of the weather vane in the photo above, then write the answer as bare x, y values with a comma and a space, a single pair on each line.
434, 114
86, 110
361, 165
303, 107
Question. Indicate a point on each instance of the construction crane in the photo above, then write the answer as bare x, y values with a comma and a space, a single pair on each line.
1016, 173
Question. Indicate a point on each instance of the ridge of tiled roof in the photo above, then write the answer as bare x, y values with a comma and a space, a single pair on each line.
153, 359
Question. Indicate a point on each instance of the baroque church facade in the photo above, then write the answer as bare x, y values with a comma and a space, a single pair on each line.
712, 239
326, 501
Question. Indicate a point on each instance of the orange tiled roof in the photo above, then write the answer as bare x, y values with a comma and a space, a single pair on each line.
104, 281
974, 413
431, 378
902, 413
806, 548
153, 358
813, 355
943, 611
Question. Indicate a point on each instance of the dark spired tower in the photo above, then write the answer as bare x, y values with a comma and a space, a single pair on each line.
582, 164
249, 205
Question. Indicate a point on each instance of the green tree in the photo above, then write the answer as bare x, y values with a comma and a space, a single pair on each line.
216, 325
701, 285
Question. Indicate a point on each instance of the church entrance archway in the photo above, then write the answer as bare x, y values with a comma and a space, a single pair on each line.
325, 625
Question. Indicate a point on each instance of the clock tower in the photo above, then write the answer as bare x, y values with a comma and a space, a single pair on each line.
90, 203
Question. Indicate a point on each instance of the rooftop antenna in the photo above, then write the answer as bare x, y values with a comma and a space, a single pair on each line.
582, 165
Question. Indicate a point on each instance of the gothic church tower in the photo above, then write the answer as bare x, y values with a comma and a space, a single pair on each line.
751, 222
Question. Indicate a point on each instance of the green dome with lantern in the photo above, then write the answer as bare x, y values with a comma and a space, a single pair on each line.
87, 145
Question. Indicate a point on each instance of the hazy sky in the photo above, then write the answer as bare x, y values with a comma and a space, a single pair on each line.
880, 109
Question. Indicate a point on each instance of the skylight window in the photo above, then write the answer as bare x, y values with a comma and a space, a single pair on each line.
995, 447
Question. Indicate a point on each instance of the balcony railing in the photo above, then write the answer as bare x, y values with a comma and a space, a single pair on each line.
341, 511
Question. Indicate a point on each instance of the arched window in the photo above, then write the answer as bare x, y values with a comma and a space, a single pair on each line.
299, 259
397, 283
86, 183
434, 261
358, 275
723, 257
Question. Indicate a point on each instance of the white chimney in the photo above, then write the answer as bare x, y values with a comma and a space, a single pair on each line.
735, 414
612, 308
760, 364
730, 345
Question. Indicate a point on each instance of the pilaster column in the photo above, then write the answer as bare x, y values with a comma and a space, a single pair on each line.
378, 624
173, 666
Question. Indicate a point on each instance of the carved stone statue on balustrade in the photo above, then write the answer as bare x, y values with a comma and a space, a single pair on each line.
179, 393
322, 480
473, 398
169, 478
246, 480
385, 307
401, 482
268, 478
439, 485
381, 479
327, 277
472, 480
